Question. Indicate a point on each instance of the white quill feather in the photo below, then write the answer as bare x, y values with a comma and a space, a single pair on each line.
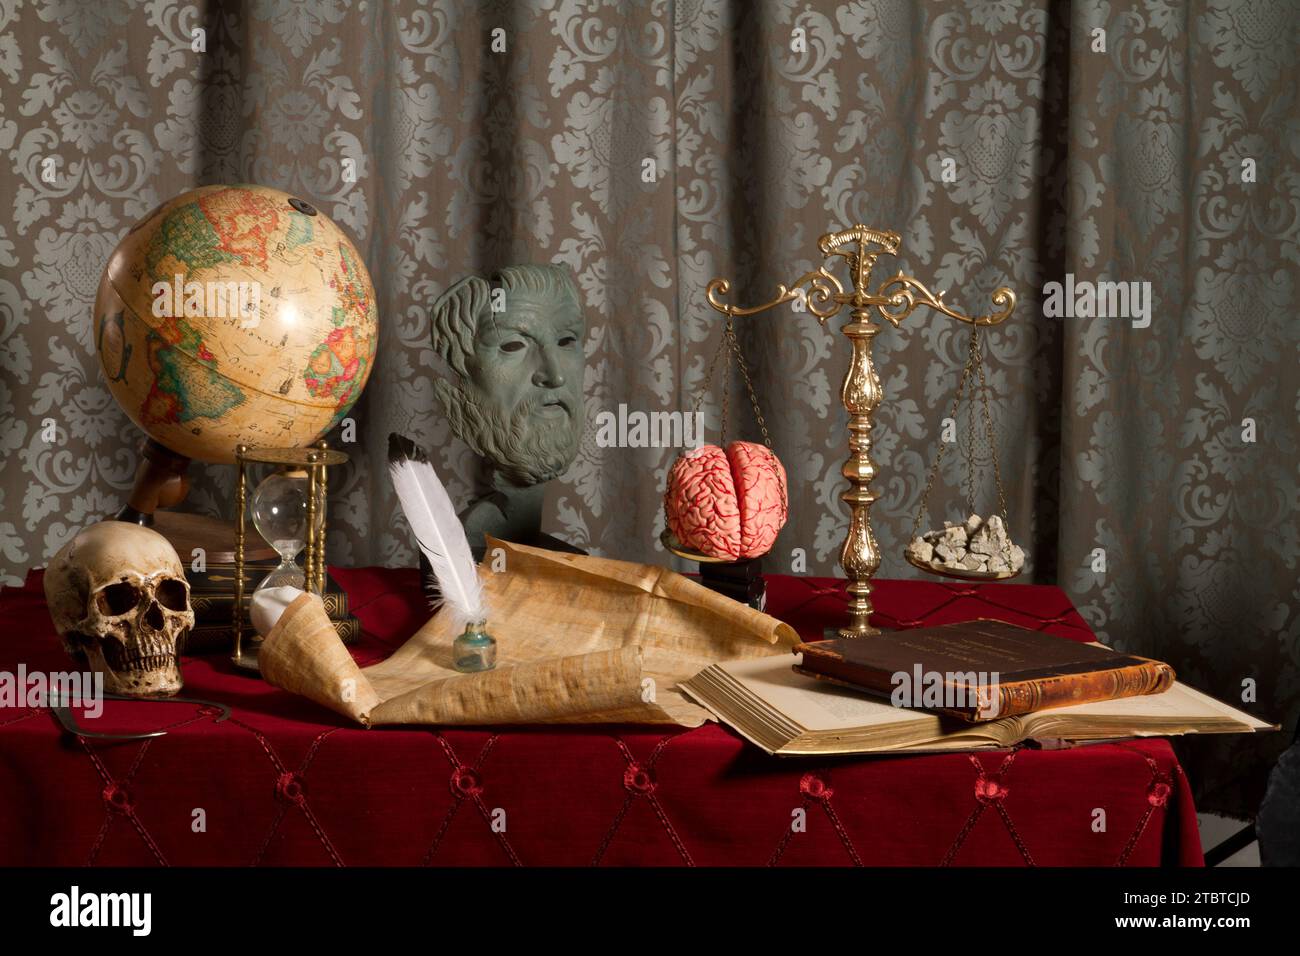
438, 531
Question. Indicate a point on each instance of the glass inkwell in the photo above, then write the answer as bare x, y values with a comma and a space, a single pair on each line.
475, 649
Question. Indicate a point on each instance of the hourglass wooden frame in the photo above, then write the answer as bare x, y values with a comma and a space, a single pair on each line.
315, 460
894, 300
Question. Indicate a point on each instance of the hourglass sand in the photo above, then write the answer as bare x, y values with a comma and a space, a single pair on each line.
280, 516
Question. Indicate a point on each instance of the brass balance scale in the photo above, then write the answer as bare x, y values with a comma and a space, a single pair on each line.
862, 394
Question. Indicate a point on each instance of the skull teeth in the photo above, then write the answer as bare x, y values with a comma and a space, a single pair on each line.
121, 659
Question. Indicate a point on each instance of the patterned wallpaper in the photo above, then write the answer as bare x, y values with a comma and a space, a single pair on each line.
1010, 141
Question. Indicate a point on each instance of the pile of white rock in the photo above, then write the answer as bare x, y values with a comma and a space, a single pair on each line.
975, 545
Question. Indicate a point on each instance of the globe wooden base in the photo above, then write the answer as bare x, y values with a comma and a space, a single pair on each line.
161, 482
216, 537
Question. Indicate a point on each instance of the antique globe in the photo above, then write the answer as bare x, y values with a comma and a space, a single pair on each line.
235, 314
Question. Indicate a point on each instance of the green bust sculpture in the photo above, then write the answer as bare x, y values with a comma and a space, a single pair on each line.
514, 344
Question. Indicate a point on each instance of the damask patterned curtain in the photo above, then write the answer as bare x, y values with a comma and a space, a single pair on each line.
1151, 469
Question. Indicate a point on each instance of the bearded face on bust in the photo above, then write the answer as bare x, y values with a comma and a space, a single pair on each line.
513, 341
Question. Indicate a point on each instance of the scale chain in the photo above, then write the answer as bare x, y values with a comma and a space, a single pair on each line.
993, 450
972, 361
975, 361
749, 385
923, 504
707, 384
730, 345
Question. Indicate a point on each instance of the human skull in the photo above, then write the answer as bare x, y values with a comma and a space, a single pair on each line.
119, 599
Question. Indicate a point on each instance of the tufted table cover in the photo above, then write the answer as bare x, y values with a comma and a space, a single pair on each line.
283, 782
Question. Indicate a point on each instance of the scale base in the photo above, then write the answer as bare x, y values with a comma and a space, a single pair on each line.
834, 633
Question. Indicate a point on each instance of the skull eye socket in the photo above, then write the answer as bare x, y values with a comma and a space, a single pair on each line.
171, 594
119, 598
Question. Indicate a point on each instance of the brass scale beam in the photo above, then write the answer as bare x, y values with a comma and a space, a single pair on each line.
861, 393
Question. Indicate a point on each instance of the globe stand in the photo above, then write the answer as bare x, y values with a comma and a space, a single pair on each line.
161, 481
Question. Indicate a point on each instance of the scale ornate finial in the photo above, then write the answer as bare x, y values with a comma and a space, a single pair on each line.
860, 260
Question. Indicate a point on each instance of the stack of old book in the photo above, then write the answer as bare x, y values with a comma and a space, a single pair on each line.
977, 684
212, 595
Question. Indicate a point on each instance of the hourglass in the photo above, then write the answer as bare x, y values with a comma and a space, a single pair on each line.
288, 510
279, 510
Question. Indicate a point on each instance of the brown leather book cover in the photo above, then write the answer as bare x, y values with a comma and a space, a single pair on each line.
212, 592
982, 670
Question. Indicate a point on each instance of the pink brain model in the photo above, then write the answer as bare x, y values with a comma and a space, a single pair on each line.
729, 504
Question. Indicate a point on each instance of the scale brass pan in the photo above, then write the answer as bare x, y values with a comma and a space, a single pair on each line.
669, 541
974, 370
946, 572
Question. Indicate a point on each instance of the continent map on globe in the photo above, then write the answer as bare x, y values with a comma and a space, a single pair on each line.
235, 314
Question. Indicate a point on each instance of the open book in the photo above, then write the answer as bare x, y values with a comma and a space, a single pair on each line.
787, 713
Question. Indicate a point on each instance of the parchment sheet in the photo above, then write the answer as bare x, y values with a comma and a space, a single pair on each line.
579, 640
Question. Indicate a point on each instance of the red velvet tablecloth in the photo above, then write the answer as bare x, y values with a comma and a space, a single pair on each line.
282, 781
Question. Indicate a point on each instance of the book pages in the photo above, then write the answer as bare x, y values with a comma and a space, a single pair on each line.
817, 706
786, 712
